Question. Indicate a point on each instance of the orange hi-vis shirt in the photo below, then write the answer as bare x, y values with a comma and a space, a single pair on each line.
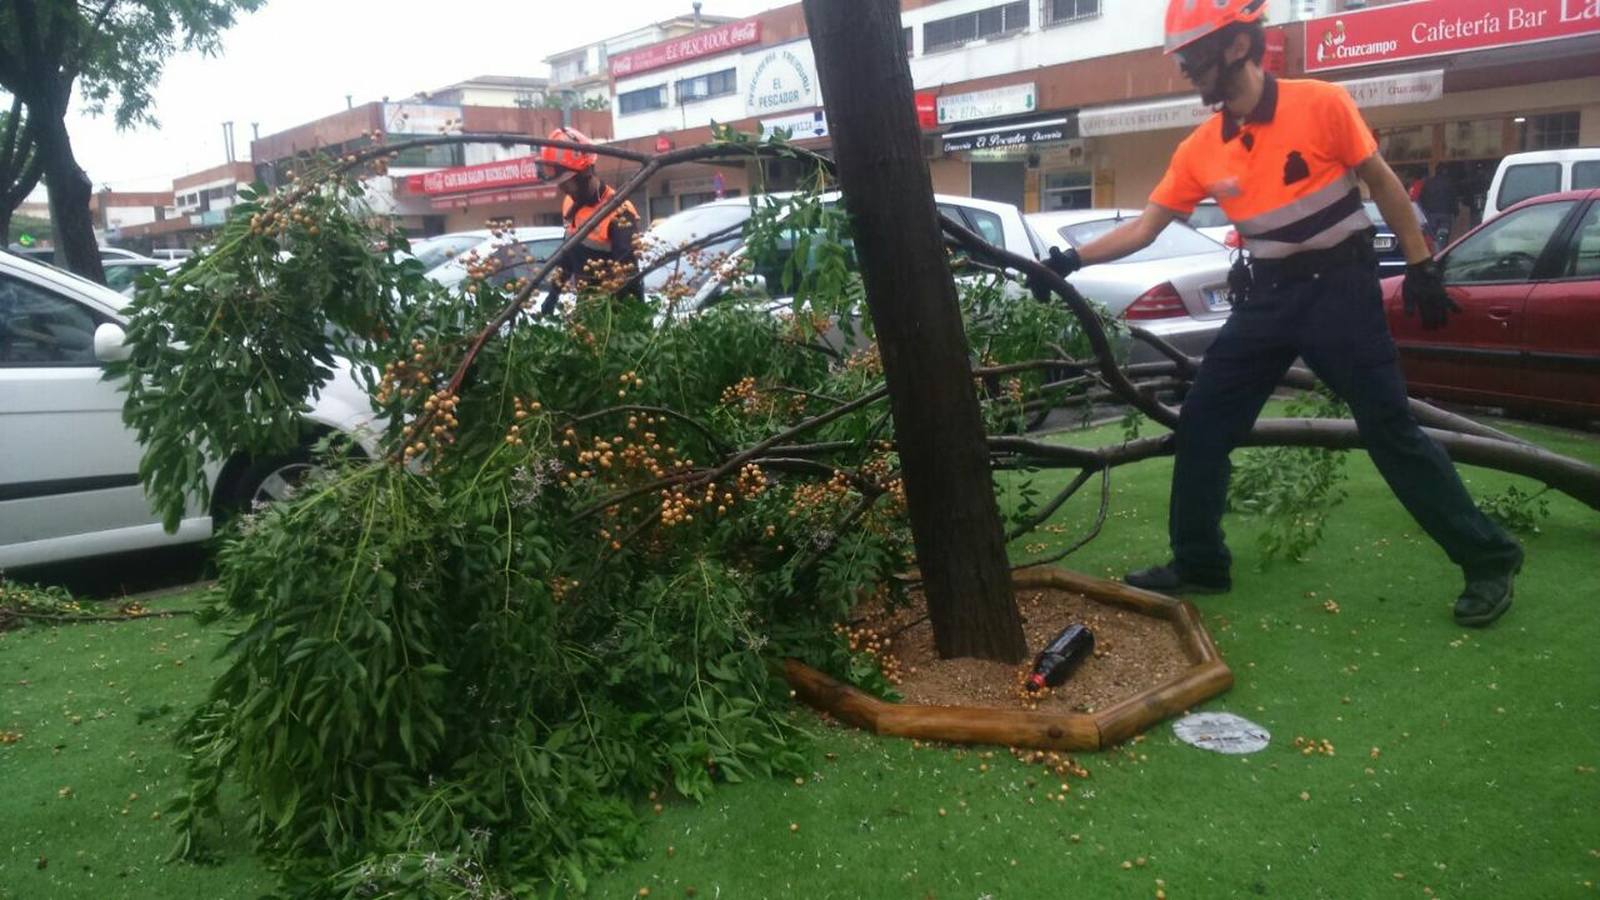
1283, 173
600, 238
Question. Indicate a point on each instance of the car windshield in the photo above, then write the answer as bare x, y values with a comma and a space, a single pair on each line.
436, 251
1208, 215
686, 227
1176, 239
120, 277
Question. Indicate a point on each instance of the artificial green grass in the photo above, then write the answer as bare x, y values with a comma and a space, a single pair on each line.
1484, 784
82, 788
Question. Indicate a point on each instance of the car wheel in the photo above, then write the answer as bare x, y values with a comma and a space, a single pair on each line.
262, 482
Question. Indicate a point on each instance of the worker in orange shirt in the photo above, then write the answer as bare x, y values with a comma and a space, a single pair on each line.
582, 194
1282, 158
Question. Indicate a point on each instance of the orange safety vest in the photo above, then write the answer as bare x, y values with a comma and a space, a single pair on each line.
600, 238
1283, 173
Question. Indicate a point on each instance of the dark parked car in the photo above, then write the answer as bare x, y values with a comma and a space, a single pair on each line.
1528, 334
1391, 259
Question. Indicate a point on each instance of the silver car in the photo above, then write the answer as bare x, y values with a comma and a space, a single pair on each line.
1176, 288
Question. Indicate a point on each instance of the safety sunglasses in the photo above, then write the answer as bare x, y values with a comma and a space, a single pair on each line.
1195, 62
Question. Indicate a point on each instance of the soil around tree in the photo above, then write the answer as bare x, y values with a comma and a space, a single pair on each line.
1133, 653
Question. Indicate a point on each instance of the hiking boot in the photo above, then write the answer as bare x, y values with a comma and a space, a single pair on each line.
1485, 598
1168, 580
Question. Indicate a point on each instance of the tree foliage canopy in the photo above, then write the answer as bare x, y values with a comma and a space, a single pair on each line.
114, 49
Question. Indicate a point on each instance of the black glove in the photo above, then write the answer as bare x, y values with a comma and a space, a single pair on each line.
1062, 264
1423, 293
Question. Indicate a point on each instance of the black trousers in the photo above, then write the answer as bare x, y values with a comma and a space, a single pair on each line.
1335, 322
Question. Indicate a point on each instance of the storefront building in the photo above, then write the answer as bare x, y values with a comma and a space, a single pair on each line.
472, 197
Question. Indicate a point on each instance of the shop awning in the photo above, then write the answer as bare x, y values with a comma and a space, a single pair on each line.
1189, 112
1012, 134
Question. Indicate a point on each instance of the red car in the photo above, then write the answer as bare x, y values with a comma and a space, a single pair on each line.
1528, 334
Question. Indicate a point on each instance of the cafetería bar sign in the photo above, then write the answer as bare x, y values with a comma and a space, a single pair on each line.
1414, 30
691, 46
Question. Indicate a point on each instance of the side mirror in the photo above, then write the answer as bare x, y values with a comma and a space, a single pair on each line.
110, 343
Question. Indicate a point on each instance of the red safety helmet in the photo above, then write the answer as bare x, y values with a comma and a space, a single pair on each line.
557, 164
1190, 20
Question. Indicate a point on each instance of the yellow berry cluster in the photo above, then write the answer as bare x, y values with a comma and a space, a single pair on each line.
751, 482
277, 222
519, 415
440, 424
813, 500
1059, 763
606, 276
878, 646
610, 461
865, 361
560, 587
404, 378
626, 381
1312, 746
749, 399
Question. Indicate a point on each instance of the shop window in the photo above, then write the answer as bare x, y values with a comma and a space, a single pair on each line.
1058, 12
1413, 144
996, 21
704, 87
905, 35
1067, 190
642, 100
1476, 139
1555, 131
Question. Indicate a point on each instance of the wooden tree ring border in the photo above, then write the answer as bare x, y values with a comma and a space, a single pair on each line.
1206, 677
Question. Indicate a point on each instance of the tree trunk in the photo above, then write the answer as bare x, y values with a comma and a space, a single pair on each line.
70, 190
955, 521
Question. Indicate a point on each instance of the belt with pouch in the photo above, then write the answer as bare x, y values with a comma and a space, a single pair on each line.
1248, 276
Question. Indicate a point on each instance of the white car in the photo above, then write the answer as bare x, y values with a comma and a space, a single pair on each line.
1000, 224
1209, 219
515, 253
1176, 288
69, 483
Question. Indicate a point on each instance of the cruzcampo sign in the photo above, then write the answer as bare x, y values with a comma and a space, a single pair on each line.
1413, 30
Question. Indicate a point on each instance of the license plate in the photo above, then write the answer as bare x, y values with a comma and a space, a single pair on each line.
1216, 298
1382, 243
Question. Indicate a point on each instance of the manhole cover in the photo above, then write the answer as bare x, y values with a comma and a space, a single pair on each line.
1221, 733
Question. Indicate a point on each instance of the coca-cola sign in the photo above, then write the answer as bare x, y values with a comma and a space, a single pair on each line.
691, 46
481, 177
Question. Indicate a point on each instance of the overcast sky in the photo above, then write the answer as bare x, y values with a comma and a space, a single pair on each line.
295, 60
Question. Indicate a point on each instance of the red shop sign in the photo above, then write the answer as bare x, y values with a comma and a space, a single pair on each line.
1413, 30
481, 177
927, 109
691, 46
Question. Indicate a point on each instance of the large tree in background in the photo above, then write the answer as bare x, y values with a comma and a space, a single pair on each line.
866, 83
113, 51
20, 166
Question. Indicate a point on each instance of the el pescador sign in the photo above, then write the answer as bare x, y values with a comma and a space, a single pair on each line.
708, 42
1414, 30
780, 79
